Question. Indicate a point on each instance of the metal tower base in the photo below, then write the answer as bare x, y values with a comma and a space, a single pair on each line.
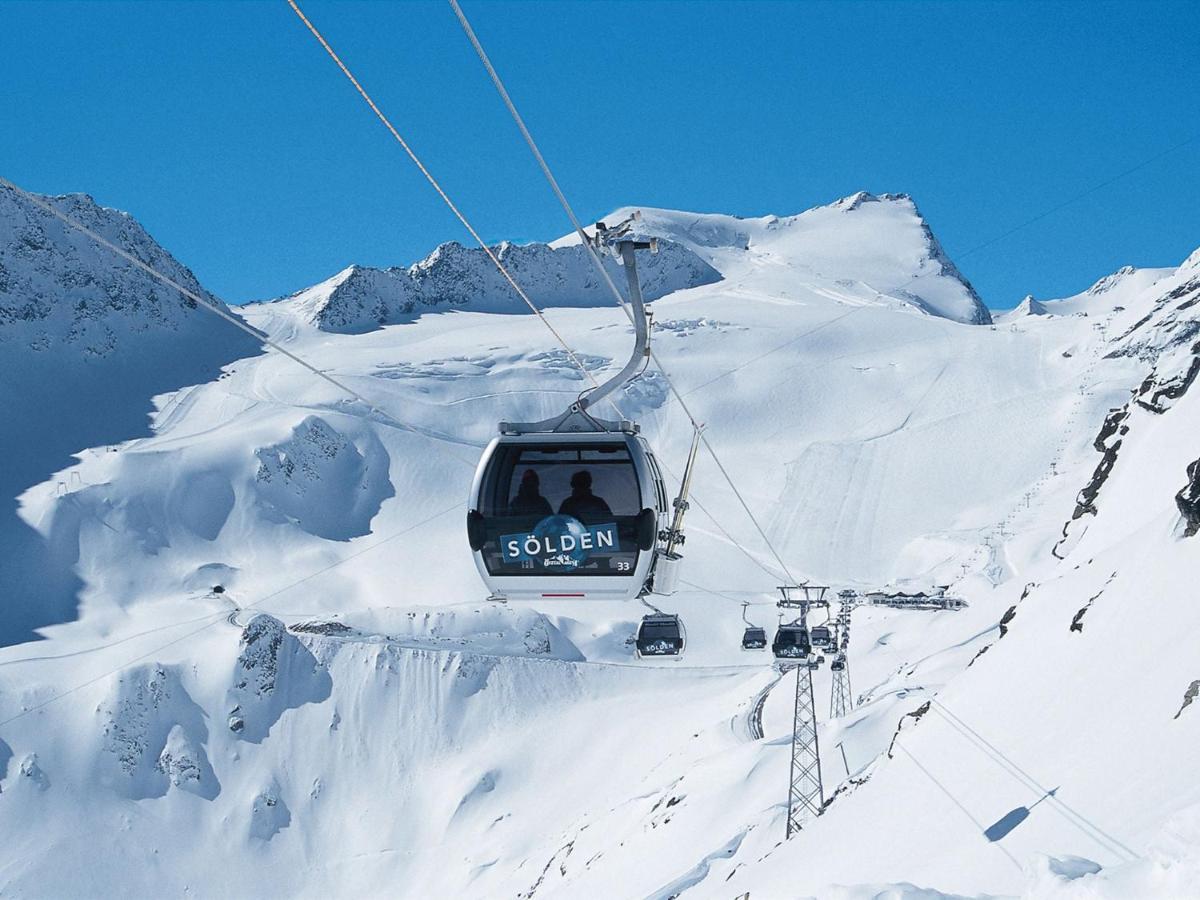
806, 794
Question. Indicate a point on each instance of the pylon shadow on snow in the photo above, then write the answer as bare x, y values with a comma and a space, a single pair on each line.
1004, 826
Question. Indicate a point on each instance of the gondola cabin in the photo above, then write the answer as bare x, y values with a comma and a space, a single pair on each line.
754, 639
791, 642
660, 634
567, 515
821, 637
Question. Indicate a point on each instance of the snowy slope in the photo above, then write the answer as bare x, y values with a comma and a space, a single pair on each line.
1087, 690
385, 731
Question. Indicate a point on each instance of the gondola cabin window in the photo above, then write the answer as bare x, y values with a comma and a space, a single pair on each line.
561, 510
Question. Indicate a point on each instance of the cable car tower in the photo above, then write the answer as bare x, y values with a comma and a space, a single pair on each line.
806, 792
841, 700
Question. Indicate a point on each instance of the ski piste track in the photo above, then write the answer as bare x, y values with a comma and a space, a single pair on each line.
754, 724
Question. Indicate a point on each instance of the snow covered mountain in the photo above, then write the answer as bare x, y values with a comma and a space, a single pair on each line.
282, 659
878, 244
360, 299
86, 341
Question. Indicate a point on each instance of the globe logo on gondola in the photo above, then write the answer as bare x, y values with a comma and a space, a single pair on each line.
558, 542
550, 533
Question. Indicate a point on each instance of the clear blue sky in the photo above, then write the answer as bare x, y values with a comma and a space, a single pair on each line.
225, 129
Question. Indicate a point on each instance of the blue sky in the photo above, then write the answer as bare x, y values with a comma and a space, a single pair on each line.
229, 134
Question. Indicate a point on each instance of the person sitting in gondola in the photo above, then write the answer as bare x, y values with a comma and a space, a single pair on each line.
583, 504
529, 500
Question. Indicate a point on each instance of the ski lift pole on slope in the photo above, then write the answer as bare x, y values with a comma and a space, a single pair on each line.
666, 570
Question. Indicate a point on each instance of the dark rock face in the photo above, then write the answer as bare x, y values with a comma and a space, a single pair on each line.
275, 672
1006, 618
1170, 389
915, 715
1175, 368
1188, 500
154, 737
1114, 427
1173, 324
981, 315
1112, 423
1189, 696
1086, 502
1077, 621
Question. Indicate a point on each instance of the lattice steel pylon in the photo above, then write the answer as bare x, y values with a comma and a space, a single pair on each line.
841, 699
840, 702
806, 794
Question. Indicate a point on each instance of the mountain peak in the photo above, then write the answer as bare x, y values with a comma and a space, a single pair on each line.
1030, 307
452, 276
1192, 262
886, 246
1108, 282
857, 200
59, 287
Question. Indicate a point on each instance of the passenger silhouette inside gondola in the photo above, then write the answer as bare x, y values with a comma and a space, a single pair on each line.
529, 500
583, 504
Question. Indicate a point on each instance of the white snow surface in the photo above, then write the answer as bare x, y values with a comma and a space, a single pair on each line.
349, 717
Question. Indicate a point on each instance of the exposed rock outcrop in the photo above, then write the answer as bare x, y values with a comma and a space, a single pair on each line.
274, 672
326, 483
154, 733
1189, 697
1188, 500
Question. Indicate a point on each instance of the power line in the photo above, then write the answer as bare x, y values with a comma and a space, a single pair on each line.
436, 186
1080, 196
509, 278
1005, 762
1049, 212
723, 595
206, 304
966, 812
774, 350
116, 643
729, 537
599, 266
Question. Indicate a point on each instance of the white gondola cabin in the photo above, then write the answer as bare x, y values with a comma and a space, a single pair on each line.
567, 515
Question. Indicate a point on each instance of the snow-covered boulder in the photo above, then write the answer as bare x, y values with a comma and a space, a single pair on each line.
323, 481
154, 736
